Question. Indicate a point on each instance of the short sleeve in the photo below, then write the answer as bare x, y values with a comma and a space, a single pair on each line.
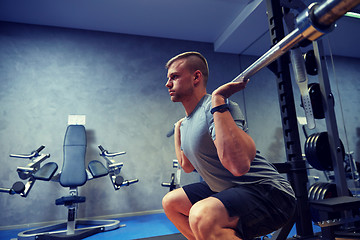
236, 113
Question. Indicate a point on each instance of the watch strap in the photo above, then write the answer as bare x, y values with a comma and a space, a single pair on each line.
220, 108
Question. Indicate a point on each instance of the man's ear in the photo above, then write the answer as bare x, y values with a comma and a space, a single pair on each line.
197, 77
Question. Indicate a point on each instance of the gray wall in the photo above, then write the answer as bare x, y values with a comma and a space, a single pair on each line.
117, 81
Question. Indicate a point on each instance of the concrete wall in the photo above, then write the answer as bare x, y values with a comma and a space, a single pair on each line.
117, 81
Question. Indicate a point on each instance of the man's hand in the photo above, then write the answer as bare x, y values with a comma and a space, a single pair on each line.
178, 123
182, 159
228, 89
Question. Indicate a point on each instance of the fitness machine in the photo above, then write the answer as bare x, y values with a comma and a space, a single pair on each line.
32, 171
174, 179
312, 23
113, 168
73, 175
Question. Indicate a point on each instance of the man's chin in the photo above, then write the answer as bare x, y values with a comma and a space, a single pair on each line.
174, 99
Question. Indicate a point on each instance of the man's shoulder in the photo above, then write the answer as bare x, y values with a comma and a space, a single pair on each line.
206, 104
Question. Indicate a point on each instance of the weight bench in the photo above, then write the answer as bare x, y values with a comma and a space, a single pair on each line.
327, 207
74, 175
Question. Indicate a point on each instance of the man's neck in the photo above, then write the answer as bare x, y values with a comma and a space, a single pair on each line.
192, 102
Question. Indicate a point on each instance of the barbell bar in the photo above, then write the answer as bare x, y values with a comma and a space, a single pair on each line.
312, 23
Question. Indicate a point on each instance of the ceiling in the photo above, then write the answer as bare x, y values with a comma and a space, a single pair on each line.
232, 26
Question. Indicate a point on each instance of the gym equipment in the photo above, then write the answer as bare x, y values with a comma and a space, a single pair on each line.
32, 171
299, 69
174, 179
343, 203
310, 63
351, 167
327, 214
302, 82
317, 151
321, 191
352, 14
73, 175
113, 169
312, 23
313, 90
325, 14
316, 101
171, 132
349, 161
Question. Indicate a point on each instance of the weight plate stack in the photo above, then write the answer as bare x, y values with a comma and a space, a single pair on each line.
317, 151
320, 191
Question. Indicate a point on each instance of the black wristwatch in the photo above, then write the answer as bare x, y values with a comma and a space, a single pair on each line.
221, 108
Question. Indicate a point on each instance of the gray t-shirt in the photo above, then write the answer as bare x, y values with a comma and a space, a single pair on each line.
197, 134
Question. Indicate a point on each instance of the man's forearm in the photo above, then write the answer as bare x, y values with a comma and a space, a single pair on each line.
183, 160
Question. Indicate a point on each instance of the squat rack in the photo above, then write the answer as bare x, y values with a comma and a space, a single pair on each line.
314, 22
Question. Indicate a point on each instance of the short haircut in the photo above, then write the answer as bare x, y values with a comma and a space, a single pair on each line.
194, 61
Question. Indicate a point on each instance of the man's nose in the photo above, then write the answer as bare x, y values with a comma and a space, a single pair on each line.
168, 83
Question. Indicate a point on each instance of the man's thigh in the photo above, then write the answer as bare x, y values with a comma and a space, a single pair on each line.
213, 209
257, 210
177, 200
261, 209
215, 212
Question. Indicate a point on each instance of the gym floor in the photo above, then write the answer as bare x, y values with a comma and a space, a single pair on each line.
152, 226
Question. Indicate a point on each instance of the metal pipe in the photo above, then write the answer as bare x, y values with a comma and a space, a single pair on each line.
312, 23
271, 55
332, 10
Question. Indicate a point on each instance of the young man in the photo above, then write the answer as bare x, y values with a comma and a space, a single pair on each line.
242, 195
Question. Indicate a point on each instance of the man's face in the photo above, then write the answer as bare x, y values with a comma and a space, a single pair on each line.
179, 82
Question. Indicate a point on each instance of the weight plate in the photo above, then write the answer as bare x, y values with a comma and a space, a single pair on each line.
311, 190
317, 151
310, 141
308, 146
310, 63
315, 194
331, 191
323, 191
315, 189
313, 145
322, 149
316, 100
328, 190
310, 152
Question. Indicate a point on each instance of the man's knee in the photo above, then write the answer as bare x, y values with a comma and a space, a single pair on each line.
176, 200
209, 216
168, 201
201, 218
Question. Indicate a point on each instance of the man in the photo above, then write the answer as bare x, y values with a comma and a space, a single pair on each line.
242, 195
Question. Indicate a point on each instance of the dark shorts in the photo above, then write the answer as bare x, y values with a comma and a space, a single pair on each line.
261, 208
